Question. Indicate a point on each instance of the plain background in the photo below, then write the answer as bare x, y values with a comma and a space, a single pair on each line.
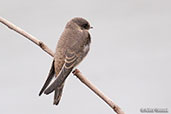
130, 57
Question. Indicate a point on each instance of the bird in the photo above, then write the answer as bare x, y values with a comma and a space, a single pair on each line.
73, 45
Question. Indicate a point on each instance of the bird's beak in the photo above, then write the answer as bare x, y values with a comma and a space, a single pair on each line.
91, 27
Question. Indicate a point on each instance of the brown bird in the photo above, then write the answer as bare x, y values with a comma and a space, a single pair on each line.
72, 47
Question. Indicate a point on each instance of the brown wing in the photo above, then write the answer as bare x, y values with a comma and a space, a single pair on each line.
69, 64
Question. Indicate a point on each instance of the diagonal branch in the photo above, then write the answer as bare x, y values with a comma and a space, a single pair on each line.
115, 107
27, 35
75, 72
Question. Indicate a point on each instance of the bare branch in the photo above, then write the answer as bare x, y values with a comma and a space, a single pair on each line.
27, 35
84, 80
75, 72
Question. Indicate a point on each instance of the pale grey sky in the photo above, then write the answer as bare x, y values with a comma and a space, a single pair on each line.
129, 60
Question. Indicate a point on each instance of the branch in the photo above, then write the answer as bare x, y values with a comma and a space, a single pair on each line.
27, 35
116, 108
75, 72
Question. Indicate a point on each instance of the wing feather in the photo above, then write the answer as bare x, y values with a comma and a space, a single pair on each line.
69, 64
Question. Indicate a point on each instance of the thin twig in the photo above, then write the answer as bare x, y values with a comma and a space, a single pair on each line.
84, 80
76, 72
27, 35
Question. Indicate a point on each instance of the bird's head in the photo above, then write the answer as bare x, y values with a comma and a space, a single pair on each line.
81, 23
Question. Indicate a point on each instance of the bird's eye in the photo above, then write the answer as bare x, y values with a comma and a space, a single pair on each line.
85, 26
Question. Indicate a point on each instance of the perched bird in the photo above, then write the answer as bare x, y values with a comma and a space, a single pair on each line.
72, 47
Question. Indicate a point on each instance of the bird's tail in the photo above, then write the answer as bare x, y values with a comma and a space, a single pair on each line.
59, 80
58, 94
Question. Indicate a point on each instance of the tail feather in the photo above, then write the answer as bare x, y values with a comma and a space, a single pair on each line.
59, 80
58, 94
49, 78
